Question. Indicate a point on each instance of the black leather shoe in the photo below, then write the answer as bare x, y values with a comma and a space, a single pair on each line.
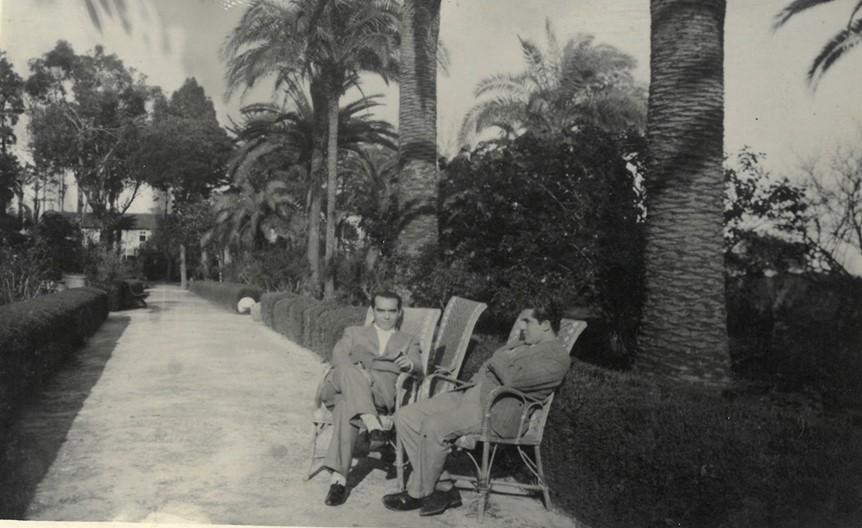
401, 502
438, 501
376, 440
336, 496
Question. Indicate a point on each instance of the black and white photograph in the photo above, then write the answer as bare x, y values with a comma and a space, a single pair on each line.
431, 263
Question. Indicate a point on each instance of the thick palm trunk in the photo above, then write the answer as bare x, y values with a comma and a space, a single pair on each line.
417, 124
683, 334
331, 184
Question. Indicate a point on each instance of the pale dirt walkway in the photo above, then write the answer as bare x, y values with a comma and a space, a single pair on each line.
183, 412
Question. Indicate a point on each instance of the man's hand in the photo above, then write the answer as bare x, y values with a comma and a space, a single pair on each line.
404, 363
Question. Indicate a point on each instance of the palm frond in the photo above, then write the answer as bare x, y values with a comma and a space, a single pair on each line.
841, 43
794, 8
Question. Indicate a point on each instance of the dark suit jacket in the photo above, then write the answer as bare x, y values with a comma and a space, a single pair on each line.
533, 369
359, 344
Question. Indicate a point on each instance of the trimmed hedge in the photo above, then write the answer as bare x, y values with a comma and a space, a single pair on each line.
36, 335
331, 325
622, 451
267, 305
225, 294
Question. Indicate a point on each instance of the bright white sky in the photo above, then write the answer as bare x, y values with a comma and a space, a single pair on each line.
768, 103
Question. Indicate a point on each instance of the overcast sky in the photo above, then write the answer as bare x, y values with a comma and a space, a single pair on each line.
768, 103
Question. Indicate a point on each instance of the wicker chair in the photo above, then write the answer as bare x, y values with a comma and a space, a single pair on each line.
420, 322
533, 420
450, 347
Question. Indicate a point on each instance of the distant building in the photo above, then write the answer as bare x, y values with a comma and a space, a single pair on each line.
141, 228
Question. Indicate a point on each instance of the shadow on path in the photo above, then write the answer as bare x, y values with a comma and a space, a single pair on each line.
43, 422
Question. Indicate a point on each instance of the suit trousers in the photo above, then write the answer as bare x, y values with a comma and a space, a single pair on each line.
426, 429
347, 392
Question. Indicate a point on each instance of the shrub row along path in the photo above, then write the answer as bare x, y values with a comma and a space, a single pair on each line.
185, 413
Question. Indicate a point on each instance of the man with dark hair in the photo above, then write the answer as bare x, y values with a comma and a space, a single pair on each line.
366, 362
535, 365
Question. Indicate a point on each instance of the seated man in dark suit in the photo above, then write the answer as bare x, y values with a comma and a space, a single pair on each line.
366, 362
535, 366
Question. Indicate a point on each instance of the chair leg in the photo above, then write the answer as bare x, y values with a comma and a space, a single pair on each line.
314, 434
399, 463
546, 495
483, 486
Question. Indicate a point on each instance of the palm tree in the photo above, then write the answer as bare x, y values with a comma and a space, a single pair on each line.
683, 333
327, 43
417, 121
847, 38
582, 83
281, 141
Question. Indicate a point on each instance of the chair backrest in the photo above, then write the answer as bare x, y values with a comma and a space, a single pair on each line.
570, 330
453, 336
419, 322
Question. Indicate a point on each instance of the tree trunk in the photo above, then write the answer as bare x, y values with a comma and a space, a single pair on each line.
205, 264
320, 104
417, 124
684, 333
183, 276
331, 184
313, 252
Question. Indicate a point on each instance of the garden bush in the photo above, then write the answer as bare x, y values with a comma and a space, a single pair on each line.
267, 305
312, 331
287, 316
36, 335
798, 333
225, 294
330, 327
626, 452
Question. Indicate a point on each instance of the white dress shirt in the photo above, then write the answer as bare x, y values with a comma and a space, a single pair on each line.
382, 339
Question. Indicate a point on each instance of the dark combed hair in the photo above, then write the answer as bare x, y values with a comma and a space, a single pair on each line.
548, 311
386, 294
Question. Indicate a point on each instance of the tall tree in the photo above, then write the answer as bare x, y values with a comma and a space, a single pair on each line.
579, 84
183, 153
683, 334
11, 108
417, 122
327, 43
87, 117
847, 38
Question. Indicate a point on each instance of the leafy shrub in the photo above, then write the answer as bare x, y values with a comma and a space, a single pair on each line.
225, 294
270, 269
36, 335
23, 272
535, 217
624, 452
267, 304
103, 265
796, 333
331, 325
61, 242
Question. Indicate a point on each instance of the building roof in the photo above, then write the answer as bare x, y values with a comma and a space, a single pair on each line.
145, 221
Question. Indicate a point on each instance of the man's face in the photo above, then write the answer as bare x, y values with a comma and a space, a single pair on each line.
532, 330
386, 312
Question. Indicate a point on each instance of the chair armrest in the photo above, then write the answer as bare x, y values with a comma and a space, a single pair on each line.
439, 375
530, 403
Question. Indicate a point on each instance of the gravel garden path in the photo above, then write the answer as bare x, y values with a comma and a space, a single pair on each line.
182, 412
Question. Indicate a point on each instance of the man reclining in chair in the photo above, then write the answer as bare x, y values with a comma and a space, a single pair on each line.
366, 362
535, 366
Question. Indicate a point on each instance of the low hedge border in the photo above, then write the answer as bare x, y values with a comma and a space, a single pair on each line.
267, 305
314, 324
36, 335
225, 294
623, 451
